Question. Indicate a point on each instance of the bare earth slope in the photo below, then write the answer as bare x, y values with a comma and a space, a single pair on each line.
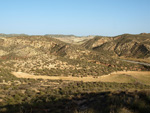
136, 46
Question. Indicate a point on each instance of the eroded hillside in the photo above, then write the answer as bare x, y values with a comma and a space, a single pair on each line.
137, 46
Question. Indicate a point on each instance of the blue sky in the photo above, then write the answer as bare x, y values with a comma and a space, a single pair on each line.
78, 17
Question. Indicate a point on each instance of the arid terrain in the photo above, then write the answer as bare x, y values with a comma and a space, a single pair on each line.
72, 74
118, 77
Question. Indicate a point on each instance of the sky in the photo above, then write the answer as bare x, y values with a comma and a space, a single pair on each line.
76, 17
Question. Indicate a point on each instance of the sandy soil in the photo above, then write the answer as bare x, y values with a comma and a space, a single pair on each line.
119, 77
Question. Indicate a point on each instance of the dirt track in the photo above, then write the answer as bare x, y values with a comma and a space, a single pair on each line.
113, 77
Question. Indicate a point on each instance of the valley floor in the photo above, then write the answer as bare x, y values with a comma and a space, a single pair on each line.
119, 77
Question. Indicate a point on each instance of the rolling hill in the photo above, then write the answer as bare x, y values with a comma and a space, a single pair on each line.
127, 45
49, 56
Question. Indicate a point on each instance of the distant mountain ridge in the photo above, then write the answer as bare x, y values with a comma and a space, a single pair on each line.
12, 35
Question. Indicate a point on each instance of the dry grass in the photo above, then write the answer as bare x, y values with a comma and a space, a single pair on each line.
119, 77
129, 77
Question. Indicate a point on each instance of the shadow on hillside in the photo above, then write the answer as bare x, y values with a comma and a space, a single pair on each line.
147, 68
104, 102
